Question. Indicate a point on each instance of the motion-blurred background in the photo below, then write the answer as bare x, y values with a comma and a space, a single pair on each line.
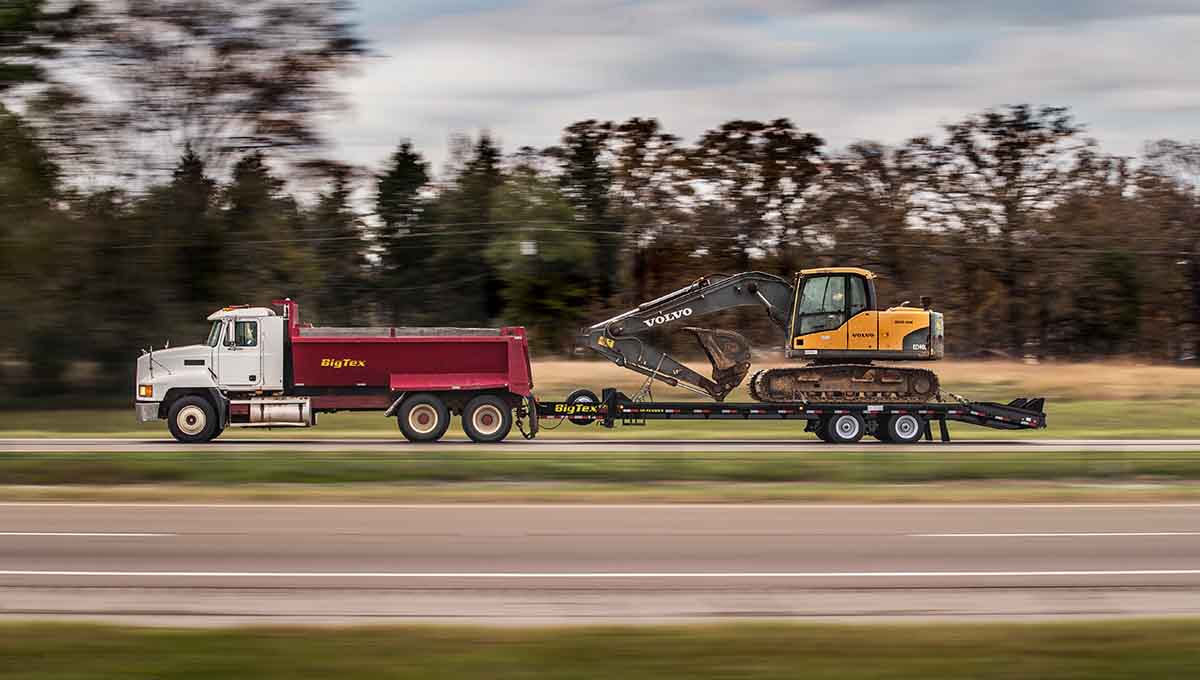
162, 159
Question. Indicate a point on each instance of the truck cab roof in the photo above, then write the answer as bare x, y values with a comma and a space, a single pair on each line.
241, 312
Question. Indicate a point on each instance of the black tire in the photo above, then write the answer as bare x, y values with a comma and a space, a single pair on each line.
845, 428
905, 429
819, 430
881, 432
193, 420
582, 396
423, 417
487, 418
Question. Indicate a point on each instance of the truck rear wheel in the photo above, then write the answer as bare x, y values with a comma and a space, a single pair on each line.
192, 420
846, 428
487, 418
423, 418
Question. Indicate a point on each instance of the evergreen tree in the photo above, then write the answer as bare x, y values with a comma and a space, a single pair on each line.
466, 288
193, 232
586, 180
404, 237
340, 250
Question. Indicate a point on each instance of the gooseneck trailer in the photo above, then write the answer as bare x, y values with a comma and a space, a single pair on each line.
262, 368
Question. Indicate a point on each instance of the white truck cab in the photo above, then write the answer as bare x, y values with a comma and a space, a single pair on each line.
192, 386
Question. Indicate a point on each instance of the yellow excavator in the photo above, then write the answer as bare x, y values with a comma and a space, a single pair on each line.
831, 320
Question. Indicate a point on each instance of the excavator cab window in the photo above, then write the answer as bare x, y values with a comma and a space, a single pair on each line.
858, 295
822, 304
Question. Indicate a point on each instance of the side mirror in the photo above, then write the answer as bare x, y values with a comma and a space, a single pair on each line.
926, 302
229, 334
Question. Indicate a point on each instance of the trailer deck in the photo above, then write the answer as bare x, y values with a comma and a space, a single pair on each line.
614, 407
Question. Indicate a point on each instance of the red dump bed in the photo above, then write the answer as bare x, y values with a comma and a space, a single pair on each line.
407, 359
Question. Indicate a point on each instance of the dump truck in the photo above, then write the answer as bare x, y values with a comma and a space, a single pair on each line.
262, 368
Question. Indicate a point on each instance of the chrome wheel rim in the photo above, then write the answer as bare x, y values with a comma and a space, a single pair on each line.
847, 427
906, 427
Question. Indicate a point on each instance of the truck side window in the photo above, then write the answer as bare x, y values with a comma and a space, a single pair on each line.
245, 334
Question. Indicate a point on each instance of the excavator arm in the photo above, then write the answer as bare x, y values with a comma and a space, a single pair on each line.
619, 338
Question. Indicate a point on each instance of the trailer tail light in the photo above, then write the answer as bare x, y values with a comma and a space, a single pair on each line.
146, 391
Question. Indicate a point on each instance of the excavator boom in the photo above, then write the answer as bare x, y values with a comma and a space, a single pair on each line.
620, 338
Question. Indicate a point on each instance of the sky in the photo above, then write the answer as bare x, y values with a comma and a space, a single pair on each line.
847, 70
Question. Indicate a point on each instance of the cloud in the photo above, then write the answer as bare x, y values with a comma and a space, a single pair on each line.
846, 70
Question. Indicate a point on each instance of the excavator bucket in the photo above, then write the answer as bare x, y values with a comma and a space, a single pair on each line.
729, 354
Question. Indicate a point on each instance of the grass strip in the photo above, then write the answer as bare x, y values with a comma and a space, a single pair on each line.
859, 467
1096, 650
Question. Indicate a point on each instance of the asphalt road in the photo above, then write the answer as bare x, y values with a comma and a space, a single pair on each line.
199, 564
593, 445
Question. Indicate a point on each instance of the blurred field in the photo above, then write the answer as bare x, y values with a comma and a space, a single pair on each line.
880, 466
1108, 400
1094, 650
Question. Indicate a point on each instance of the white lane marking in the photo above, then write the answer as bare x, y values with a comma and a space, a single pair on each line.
1056, 534
602, 574
89, 534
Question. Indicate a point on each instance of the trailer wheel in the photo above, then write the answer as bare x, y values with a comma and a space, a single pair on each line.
192, 420
582, 396
904, 429
423, 418
846, 428
487, 418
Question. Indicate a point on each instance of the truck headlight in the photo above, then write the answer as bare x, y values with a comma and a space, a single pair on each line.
146, 391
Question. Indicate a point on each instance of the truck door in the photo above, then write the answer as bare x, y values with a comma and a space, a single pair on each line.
239, 356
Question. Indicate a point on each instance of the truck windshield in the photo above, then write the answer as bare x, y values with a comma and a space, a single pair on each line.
214, 335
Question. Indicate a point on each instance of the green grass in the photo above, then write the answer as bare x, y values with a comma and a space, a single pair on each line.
1071, 419
1092, 650
841, 466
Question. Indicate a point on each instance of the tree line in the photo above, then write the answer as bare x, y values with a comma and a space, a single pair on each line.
1031, 238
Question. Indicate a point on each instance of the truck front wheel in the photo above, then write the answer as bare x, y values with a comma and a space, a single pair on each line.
193, 420
487, 418
423, 418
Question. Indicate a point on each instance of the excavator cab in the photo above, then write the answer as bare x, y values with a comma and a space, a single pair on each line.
834, 317
826, 299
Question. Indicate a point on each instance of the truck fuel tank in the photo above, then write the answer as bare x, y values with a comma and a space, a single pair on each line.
271, 412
